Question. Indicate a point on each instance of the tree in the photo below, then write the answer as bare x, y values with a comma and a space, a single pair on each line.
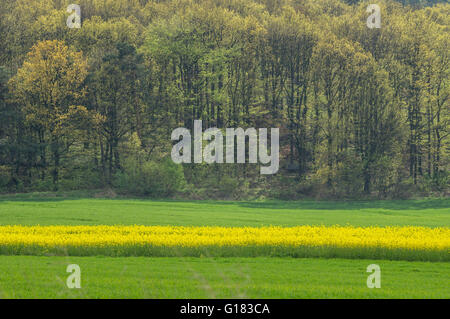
48, 86
115, 88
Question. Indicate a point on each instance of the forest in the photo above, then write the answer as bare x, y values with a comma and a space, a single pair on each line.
362, 112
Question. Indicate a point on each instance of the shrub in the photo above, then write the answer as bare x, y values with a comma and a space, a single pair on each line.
228, 187
156, 179
84, 178
4, 178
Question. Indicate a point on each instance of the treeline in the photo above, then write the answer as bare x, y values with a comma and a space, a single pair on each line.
362, 112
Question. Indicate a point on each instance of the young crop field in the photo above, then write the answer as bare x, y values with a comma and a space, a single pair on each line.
191, 277
186, 249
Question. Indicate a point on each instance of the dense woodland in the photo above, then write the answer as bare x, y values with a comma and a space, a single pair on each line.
363, 113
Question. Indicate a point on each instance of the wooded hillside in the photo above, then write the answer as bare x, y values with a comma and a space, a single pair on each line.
362, 112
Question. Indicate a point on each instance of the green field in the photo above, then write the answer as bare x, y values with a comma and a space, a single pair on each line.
162, 277
60, 211
140, 277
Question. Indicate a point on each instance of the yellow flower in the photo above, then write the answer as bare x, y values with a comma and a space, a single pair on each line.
414, 238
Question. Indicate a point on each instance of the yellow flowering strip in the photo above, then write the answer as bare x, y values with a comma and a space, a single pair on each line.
142, 240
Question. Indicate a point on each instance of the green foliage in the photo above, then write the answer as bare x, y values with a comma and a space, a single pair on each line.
155, 179
362, 112
4, 178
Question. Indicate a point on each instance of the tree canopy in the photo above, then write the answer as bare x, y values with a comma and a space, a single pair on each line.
361, 111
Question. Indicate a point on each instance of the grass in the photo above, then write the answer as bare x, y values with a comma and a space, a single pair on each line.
224, 277
61, 211
143, 277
